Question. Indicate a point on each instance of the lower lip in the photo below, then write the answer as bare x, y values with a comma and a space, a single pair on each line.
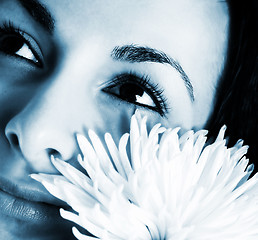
28, 211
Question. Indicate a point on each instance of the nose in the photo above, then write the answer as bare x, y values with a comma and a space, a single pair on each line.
45, 127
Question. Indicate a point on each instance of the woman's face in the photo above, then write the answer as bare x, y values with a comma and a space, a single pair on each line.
78, 65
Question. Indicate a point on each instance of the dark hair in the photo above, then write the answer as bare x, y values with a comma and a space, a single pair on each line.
237, 93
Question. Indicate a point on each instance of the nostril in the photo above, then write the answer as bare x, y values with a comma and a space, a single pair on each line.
53, 152
14, 141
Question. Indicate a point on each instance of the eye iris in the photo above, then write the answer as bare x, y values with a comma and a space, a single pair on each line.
11, 44
129, 92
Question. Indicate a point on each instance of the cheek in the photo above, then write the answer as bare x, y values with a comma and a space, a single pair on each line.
14, 96
104, 114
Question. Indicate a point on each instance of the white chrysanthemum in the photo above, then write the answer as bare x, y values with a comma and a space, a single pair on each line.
170, 188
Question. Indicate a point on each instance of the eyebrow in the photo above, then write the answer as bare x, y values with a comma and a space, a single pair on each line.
136, 54
39, 13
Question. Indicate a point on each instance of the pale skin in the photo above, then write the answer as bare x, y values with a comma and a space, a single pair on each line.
44, 105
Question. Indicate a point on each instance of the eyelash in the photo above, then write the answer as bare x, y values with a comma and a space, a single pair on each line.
153, 90
8, 28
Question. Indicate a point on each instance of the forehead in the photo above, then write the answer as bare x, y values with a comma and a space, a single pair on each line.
154, 16
137, 7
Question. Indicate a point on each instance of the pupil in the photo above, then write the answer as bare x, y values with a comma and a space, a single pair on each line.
129, 91
11, 44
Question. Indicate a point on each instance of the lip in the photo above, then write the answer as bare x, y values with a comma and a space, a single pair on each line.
28, 202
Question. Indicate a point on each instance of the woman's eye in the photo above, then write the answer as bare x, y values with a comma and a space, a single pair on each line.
132, 93
137, 90
16, 45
